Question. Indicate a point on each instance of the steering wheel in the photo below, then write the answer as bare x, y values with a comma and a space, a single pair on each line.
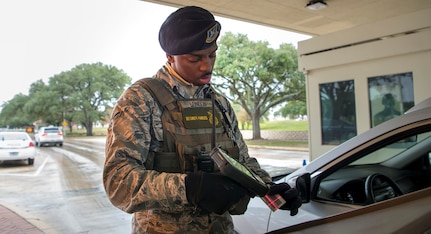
379, 187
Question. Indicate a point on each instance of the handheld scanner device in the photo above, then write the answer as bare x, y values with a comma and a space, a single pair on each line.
247, 178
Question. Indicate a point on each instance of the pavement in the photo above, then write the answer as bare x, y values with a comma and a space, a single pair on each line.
11, 222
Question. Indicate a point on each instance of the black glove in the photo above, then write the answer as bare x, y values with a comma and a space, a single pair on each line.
293, 201
213, 192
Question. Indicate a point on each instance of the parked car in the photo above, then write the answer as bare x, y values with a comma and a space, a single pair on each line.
49, 136
16, 146
376, 182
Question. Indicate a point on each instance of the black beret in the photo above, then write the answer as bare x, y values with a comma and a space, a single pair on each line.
187, 29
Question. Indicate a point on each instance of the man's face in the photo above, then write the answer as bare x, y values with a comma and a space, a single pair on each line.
195, 67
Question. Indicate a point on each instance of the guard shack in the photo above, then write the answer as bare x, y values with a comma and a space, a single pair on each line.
362, 76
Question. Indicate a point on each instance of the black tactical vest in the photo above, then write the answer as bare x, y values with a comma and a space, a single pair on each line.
188, 132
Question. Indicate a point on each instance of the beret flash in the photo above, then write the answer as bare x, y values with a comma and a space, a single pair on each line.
187, 29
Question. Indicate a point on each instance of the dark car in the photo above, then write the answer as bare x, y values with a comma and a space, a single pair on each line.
376, 182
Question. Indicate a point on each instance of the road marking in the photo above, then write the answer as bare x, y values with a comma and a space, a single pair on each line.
28, 174
41, 167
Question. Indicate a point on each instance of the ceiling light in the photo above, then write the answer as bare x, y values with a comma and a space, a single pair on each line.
316, 5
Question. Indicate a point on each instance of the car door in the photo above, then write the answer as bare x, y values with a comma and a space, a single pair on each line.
399, 149
407, 214
344, 193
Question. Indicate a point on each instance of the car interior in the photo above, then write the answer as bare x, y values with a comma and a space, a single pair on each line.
396, 165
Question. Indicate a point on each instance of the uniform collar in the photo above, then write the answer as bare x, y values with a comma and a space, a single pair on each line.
178, 86
176, 75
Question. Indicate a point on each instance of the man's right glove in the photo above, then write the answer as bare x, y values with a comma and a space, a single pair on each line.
291, 195
213, 192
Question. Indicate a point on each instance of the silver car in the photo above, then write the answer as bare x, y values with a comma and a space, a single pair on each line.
49, 136
377, 182
16, 146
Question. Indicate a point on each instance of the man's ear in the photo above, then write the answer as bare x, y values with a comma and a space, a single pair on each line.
170, 58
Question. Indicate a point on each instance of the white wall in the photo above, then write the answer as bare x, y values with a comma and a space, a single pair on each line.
392, 46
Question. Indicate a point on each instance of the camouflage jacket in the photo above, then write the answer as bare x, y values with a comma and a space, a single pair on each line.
157, 199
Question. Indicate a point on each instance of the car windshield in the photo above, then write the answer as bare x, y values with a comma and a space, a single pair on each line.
51, 130
393, 157
12, 137
394, 149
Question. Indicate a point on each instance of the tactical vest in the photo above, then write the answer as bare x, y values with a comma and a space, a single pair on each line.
188, 132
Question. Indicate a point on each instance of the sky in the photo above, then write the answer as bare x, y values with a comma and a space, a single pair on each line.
40, 39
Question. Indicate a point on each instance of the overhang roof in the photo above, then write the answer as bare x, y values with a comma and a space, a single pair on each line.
291, 15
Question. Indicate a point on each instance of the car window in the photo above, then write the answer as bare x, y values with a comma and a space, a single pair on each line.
392, 150
402, 166
11, 137
51, 130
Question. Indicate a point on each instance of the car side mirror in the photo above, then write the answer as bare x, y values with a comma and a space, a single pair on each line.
303, 185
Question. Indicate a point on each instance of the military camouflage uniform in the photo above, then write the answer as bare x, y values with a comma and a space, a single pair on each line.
157, 199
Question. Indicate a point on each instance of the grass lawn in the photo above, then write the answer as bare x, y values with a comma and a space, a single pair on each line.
280, 125
278, 143
284, 125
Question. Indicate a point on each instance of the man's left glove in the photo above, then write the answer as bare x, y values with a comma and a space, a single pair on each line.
213, 192
291, 195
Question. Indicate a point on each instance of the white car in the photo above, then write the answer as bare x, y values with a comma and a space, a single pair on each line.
16, 146
49, 136
377, 182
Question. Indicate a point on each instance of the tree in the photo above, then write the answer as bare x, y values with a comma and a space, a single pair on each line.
94, 88
62, 87
243, 119
13, 114
42, 104
293, 109
82, 95
257, 76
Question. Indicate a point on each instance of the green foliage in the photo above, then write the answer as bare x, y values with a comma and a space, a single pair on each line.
256, 76
93, 86
82, 95
41, 104
244, 119
293, 109
13, 114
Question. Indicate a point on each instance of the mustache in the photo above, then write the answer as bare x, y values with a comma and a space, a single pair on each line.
207, 74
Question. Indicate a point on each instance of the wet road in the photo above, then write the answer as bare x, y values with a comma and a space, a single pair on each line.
63, 192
